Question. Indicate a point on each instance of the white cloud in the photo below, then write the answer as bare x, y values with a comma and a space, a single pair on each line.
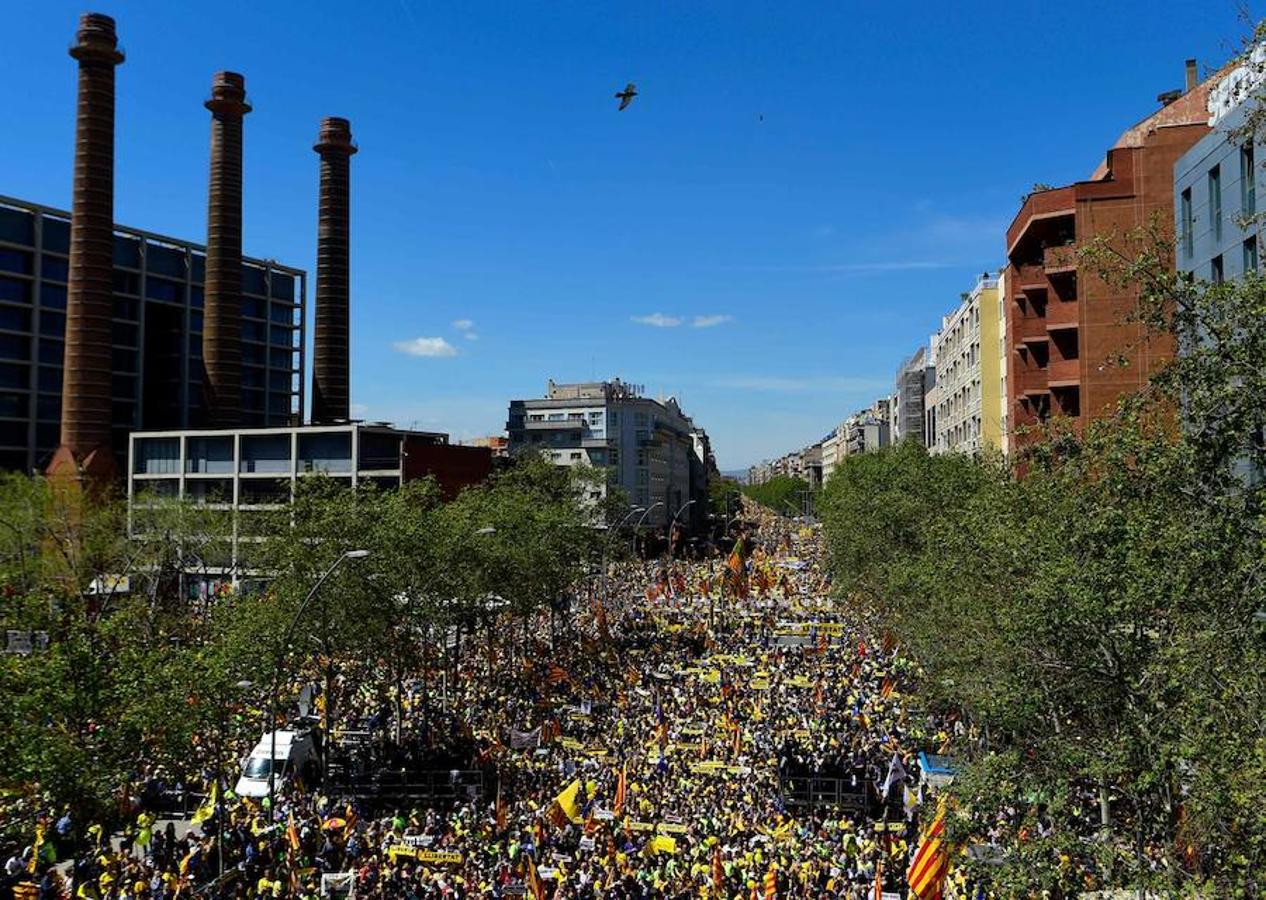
710, 321
467, 328
426, 346
658, 320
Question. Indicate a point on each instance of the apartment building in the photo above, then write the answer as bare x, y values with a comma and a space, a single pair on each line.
649, 448
963, 406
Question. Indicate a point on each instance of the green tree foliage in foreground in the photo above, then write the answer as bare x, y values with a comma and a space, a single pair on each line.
782, 493
1094, 620
145, 676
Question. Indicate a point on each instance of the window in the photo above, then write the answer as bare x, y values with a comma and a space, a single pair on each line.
1215, 269
1248, 181
15, 261
1215, 202
15, 290
1186, 225
54, 268
1250, 255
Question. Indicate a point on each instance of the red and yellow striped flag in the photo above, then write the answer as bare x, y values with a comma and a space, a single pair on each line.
771, 883
931, 863
534, 882
621, 786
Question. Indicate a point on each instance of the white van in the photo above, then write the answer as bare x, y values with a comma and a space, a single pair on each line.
294, 749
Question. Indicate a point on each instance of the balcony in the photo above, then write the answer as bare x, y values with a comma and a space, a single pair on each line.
1062, 314
1064, 372
1031, 382
1031, 279
1030, 329
1060, 260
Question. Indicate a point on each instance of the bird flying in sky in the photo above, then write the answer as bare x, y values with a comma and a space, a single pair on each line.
626, 96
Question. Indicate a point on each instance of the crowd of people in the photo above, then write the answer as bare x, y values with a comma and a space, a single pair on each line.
671, 738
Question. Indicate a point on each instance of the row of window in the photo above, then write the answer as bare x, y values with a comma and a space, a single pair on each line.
1213, 182
166, 271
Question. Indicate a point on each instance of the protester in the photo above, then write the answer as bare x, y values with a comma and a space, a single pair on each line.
662, 743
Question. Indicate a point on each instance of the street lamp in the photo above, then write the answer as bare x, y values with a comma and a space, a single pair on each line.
676, 516
645, 513
606, 545
281, 653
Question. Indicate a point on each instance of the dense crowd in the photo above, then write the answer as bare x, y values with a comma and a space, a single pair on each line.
660, 743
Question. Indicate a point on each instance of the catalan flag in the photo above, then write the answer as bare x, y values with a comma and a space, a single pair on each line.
735, 568
931, 863
292, 833
771, 882
557, 674
718, 871
534, 881
621, 787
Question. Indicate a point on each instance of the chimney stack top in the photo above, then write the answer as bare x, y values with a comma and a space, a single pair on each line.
96, 41
228, 95
1193, 74
335, 137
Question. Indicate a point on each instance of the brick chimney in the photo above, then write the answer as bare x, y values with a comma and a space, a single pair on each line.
222, 289
85, 445
1193, 74
331, 347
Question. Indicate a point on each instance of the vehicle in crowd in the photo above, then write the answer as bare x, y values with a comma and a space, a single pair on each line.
295, 749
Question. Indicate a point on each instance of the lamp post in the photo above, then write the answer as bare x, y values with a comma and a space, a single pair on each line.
676, 516
646, 512
606, 545
281, 653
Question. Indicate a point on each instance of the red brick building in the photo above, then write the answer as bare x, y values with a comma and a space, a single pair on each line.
1067, 328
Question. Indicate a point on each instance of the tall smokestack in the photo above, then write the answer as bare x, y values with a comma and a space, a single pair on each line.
222, 290
331, 347
86, 411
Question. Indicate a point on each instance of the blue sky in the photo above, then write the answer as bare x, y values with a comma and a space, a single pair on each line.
796, 196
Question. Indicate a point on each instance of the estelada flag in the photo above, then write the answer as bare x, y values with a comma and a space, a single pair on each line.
931, 863
567, 805
886, 689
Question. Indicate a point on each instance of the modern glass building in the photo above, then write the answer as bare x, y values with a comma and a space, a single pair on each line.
157, 334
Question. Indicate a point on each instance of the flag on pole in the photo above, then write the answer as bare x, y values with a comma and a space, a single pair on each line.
534, 881
292, 833
500, 810
566, 807
771, 882
931, 863
621, 787
207, 809
896, 775
718, 871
